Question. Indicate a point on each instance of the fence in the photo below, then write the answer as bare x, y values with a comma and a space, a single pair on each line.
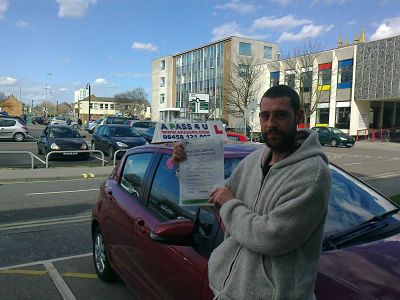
33, 156
379, 134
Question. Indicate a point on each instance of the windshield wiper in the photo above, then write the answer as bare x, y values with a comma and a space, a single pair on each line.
335, 240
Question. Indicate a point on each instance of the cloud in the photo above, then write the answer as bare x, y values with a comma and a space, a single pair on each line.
327, 2
390, 27
282, 2
3, 8
237, 6
144, 46
232, 29
351, 22
8, 81
307, 32
285, 22
100, 81
74, 8
63, 90
21, 24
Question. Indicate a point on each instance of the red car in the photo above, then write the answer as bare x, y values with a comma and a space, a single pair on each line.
236, 137
160, 249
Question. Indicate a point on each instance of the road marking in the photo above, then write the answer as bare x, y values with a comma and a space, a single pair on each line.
62, 287
79, 275
19, 225
106, 161
45, 181
349, 164
24, 272
380, 176
61, 192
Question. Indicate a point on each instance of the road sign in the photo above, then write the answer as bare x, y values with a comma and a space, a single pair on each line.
199, 103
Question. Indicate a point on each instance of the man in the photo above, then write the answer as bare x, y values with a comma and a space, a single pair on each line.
274, 208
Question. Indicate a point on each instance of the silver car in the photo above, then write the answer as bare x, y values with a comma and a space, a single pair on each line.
13, 128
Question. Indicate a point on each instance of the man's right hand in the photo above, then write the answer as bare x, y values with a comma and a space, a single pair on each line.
179, 154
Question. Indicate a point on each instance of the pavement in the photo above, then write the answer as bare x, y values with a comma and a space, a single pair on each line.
59, 173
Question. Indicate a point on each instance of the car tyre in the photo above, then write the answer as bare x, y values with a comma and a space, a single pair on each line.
111, 152
100, 258
19, 137
334, 143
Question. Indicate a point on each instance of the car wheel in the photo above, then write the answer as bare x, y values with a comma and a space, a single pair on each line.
19, 137
100, 258
111, 152
334, 143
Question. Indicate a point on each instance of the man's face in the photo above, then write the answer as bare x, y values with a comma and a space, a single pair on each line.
278, 123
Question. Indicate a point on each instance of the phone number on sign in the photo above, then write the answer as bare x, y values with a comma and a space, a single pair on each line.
181, 136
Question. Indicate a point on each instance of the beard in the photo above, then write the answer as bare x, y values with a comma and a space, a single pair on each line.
278, 140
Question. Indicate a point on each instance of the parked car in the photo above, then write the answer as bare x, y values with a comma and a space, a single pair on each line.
148, 134
91, 125
3, 113
12, 127
334, 137
64, 121
37, 120
110, 138
62, 138
236, 137
141, 125
115, 120
161, 249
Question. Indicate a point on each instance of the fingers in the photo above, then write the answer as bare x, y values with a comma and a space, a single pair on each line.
178, 154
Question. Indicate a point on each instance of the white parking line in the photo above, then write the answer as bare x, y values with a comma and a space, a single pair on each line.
106, 161
356, 163
380, 176
44, 181
61, 192
62, 287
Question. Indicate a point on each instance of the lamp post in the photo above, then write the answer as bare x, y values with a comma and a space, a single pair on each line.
47, 74
88, 88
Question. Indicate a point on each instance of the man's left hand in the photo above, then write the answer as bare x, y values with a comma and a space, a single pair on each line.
220, 196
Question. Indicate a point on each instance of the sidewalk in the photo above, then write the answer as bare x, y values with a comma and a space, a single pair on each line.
26, 175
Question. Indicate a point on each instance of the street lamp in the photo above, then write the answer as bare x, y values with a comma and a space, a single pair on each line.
88, 88
47, 74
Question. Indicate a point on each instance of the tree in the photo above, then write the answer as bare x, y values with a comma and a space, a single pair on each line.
133, 103
242, 87
301, 75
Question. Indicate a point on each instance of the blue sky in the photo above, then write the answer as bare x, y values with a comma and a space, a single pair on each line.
110, 43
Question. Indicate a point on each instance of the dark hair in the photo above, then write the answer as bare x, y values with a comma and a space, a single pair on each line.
283, 90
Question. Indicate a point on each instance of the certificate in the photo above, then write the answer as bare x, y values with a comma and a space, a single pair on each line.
202, 171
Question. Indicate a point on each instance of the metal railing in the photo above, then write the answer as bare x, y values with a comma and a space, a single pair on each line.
115, 154
25, 152
74, 151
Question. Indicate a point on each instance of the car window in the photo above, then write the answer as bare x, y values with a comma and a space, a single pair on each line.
132, 175
337, 131
106, 131
164, 193
8, 123
351, 203
64, 132
99, 131
122, 132
324, 130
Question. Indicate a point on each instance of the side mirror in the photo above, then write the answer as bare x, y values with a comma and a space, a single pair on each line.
175, 232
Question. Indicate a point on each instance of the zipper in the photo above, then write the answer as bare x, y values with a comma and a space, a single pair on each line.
230, 271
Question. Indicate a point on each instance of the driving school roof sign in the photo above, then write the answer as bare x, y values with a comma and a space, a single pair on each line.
171, 132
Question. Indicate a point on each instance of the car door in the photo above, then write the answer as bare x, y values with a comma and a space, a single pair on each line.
7, 128
171, 271
2, 129
119, 213
105, 139
324, 136
42, 139
96, 138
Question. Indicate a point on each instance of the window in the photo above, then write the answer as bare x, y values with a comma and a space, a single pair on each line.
290, 79
162, 65
162, 98
306, 81
268, 52
95, 105
345, 74
91, 105
245, 49
323, 116
343, 117
243, 70
274, 80
133, 174
164, 193
111, 106
106, 106
101, 106
162, 81
126, 106
324, 76
7, 123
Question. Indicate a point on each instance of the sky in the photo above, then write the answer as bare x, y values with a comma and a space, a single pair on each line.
65, 44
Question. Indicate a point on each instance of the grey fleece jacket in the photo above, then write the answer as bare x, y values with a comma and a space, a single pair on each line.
273, 228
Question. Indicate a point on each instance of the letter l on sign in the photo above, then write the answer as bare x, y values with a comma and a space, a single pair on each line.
217, 131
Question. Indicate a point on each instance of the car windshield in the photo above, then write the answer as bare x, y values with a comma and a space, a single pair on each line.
99, 121
337, 131
64, 132
352, 203
123, 132
116, 120
150, 131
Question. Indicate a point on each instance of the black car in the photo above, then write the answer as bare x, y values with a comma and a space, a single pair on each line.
110, 138
333, 136
115, 120
62, 138
38, 120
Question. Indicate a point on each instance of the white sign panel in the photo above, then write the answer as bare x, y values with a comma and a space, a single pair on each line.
171, 132
199, 103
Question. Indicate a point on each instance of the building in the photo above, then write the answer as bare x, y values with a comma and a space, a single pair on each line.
353, 87
202, 70
12, 106
101, 107
80, 94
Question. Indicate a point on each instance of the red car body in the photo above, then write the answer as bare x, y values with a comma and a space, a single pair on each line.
167, 259
236, 137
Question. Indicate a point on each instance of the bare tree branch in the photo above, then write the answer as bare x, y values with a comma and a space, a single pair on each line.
133, 103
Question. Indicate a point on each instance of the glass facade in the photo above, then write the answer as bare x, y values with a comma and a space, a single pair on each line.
274, 80
342, 117
322, 116
290, 80
200, 71
345, 74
